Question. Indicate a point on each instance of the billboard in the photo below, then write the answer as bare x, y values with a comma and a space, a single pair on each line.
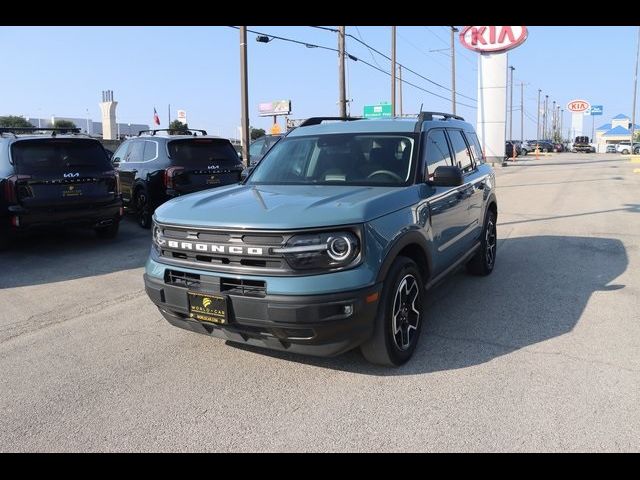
493, 38
279, 107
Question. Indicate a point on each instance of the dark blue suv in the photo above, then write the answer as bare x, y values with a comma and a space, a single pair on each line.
333, 241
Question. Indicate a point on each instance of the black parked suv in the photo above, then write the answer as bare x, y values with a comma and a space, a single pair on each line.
55, 176
155, 168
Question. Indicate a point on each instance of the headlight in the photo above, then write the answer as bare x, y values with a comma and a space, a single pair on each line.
157, 240
324, 250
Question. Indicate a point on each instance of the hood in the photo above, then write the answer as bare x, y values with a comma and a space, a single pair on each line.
284, 206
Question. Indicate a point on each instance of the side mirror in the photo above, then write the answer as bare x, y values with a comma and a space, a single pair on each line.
115, 161
447, 176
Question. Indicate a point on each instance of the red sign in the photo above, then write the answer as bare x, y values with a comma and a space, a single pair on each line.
492, 39
578, 106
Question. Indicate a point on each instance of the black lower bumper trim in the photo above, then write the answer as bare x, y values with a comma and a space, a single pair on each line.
323, 325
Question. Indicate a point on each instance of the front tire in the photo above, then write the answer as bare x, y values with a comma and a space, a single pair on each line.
625, 152
484, 260
400, 316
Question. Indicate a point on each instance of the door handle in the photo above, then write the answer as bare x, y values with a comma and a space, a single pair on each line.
480, 186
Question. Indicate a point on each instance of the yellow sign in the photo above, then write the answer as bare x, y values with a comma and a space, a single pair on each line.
275, 129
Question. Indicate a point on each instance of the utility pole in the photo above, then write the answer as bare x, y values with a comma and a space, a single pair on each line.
453, 69
521, 113
561, 122
544, 117
244, 93
538, 123
400, 87
393, 71
512, 68
635, 88
341, 81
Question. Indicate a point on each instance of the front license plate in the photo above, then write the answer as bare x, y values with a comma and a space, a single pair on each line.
208, 308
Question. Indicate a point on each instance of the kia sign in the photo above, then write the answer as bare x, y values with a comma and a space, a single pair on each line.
493, 39
578, 106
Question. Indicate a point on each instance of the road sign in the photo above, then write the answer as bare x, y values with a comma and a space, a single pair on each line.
596, 110
375, 111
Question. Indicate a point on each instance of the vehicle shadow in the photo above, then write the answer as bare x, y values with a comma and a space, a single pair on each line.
57, 255
538, 291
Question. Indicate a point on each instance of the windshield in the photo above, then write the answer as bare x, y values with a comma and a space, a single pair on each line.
56, 154
202, 151
340, 159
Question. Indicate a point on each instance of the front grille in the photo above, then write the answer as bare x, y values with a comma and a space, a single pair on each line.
219, 250
208, 283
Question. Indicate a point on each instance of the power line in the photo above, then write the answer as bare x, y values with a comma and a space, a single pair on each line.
370, 52
403, 66
352, 57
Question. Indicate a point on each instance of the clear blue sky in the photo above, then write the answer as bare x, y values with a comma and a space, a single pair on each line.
62, 71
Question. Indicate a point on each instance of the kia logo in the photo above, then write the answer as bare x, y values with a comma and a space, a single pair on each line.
493, 39
578, 106
71, 175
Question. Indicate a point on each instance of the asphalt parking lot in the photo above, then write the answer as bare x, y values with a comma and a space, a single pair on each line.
543, 355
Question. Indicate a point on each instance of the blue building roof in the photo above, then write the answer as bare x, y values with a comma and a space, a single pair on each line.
620, 116
618, 131
606, 126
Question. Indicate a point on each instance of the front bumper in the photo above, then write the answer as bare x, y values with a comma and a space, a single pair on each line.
323, 325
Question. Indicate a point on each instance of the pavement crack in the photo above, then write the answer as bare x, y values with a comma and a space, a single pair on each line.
511, 348
42, 320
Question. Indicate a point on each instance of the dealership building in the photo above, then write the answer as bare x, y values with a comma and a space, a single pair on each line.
615, 132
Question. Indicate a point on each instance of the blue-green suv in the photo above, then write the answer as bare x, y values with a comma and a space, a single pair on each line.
333, 240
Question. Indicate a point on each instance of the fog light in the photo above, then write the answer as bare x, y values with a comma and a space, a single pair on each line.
15, 221
347, 310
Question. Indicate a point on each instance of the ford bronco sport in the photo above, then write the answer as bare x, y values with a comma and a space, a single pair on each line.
333, 240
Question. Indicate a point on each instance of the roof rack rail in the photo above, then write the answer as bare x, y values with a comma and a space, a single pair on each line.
428, 116
319, 120
188, 131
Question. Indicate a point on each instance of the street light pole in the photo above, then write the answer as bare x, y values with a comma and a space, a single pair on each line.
538, 123
393, 71
512, 68
341, 82
544, 117
553, 120
244, 92
635, 89
453, 69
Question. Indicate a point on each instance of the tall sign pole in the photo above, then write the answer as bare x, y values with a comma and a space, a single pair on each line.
538, 123
492, 43
512, 68
521, 113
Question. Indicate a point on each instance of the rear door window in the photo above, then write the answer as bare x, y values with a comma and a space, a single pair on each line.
202, 152
437, 151
474, 145
150, 151
136, 151
460, 150
32, 156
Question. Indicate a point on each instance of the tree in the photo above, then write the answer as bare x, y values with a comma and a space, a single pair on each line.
257, 133
64, 124
177, 127
14, 121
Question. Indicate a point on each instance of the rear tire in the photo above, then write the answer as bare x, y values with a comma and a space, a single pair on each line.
399, 318
484, 260
143, 211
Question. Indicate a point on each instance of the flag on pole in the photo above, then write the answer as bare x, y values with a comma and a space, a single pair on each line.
156, 118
